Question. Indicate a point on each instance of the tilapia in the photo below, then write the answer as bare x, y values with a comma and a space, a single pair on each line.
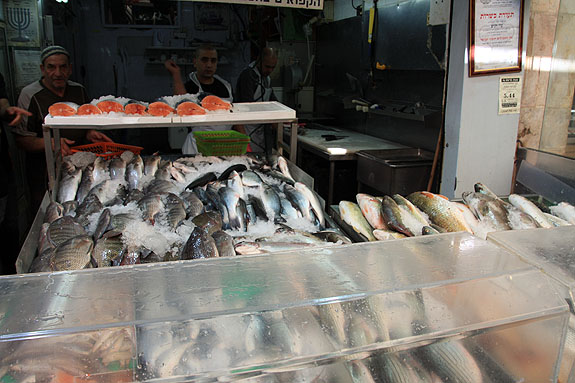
42, 262
192, 204
63, 229
314, 202
135, 172
70, 207
224, 243
371, 209
151, 165
175, 211
134, 196
53, 212
351, 214
72, 254
529, 207
119, 222
210, 222
565, 211
108, 250
200, 244
69, 185
440, 211
103, 223
86, 183
90, 205
151, 205
158, 186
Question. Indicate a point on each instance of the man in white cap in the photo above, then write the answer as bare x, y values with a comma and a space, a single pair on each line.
37, 97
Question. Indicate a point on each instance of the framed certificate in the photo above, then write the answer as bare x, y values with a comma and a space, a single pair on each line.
495, 36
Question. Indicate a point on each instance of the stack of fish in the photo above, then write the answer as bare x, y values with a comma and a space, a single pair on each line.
421, 213
182, 105
129, 210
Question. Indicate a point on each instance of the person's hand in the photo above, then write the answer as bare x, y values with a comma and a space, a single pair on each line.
19, 112
65, 144
172, 67
95, 136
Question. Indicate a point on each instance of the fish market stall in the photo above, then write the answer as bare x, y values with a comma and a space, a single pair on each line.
552, 251
408, 310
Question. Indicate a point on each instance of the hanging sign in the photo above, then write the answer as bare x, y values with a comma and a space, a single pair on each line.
509, 94
27, 67
21, 18
306, 4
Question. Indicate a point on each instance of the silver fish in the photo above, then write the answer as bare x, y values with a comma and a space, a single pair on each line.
529, 207
103, 223
235, 183
288, 210
231, 199
86, 183
299, 200
134, 173
283, 165
243, 215
185, 169
163, 172
151, 165
100, 171
117, 169
251, 179
314, 202
488, 209
177, 175
69, 186
72, 254
556, 221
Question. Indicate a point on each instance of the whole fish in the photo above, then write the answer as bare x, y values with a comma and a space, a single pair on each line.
386, 235
406, 205
283, 166
183, 168
399, 219
41, 263
235, 182
103, 224
529, 207
90, 205
100, 171
259, 207
471, 219
243, 215
234, 168
150, 205
481, 188
72, 254
159, 186
134, 196
556, 221
210, 221
224, 243
231, 199
488, 209
351, 214
117, 169
440, 211
119, 222
151, 165
564, 210
371, 209
217, 203
246, 247
108, 250
272, 201
518, 219
53, 212
69, 186
86, 183
332, 236
202, 180
314, 202
135, 172
175, 211
298, 200
177, 175
279, 177
163, 172
192, 204
200, 244
63, 229
288, 210
451, 362
251, 179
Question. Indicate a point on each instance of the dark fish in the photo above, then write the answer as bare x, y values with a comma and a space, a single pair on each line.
86, 183
243, 215
332, 236
42, 262
54, 211
158, 186
258, 207
202, 181
103, 223
192, 204
218, 204
429, 230
393, 217
63, 229
200, 244
279, 176
224, 243
72, 254
90, 205
251, 212
209, 222
226, 173
109, 250
201, 194
70, 207
134, 196
175, 210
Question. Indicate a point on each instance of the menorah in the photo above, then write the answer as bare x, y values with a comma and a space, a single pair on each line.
19, 19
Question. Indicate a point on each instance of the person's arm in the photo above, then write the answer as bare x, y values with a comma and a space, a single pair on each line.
95, 136
36, 144
174, 69
6, 111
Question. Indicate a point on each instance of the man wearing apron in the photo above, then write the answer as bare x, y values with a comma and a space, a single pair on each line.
254, 85
203, 80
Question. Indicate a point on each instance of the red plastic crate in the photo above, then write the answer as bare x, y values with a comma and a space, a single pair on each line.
107, 149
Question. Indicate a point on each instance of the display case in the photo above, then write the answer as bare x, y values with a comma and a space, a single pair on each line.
449, 307
553, 251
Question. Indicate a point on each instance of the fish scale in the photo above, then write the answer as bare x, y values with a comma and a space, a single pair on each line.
63, 229
72, 254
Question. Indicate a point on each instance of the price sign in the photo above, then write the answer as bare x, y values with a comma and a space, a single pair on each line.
509, 94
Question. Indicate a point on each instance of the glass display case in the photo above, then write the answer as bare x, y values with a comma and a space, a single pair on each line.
449, 307
553, 251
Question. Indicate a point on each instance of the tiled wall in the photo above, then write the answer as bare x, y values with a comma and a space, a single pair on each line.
549, 77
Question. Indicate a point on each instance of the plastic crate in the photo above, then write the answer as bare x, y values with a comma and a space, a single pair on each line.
106, 150
221, 142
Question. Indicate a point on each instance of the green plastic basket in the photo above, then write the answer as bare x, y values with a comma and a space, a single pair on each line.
221, 143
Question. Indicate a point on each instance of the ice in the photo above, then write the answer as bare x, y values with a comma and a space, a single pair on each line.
155, 238
175, 100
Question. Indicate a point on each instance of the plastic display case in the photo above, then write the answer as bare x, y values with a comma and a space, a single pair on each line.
553, 251
449, 307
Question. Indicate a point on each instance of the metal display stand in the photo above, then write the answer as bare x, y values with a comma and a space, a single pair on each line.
242, 113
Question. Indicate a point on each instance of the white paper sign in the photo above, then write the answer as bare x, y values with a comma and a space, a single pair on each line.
509, 94
306, 4
27, 68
